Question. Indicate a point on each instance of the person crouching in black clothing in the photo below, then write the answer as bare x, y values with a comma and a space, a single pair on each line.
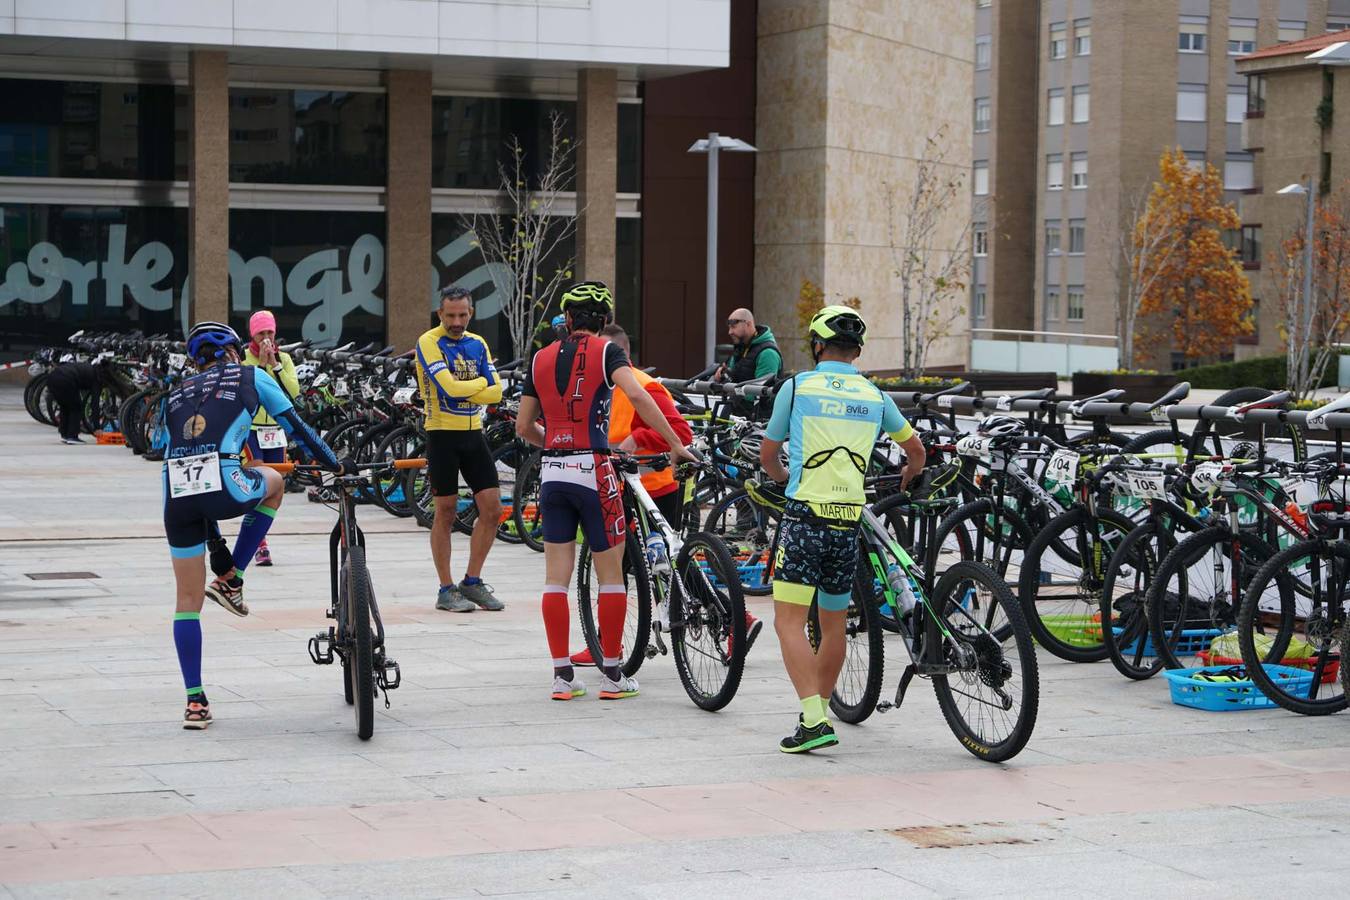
68, 384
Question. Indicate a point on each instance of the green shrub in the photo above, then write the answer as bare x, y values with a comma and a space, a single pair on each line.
928, 383
1262, 371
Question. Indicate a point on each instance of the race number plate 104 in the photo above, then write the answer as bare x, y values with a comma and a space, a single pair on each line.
191, 475
1063, 467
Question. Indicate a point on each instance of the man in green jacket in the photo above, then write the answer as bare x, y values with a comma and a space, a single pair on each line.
754, 354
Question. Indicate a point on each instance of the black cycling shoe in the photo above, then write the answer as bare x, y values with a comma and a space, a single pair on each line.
804, 739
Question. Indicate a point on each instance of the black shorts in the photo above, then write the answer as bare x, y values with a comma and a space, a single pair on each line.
454, 453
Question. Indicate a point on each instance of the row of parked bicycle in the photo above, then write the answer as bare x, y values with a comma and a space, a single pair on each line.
1219, 545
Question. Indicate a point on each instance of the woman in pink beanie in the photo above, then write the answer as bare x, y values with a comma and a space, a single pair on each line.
267, 442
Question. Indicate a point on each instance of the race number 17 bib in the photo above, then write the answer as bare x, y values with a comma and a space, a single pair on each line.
191, 475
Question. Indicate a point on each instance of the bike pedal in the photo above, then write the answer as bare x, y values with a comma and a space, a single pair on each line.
382, 674
885, 706
321, 649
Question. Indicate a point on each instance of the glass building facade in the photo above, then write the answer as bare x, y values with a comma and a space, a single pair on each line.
112, 254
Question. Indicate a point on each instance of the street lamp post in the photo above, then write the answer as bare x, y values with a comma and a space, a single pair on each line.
712, 145
1303, 346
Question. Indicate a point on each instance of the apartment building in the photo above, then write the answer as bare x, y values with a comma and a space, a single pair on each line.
1294, 135
1064, 148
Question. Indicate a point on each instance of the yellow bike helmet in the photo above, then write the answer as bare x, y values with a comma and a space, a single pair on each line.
587, 296
838, 325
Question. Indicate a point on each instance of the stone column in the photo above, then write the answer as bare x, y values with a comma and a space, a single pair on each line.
209, 185
597, 174
407, 306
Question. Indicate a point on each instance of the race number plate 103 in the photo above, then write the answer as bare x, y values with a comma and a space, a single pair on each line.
192, 475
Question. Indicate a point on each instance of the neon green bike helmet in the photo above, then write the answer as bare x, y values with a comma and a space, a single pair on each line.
838, 325
587, 296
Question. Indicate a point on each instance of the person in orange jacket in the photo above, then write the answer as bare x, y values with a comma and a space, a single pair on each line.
627, 432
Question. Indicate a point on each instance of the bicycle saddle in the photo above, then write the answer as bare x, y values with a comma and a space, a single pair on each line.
1178, 393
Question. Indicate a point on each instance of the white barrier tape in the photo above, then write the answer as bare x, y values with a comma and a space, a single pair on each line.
15, 365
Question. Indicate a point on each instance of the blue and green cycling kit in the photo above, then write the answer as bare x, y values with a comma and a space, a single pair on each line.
831, 418
209, 418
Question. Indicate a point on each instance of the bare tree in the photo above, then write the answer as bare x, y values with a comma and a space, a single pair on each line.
522, 233
1314, 326
1145, 242
931, 278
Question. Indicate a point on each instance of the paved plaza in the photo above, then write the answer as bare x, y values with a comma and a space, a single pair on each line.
475, 783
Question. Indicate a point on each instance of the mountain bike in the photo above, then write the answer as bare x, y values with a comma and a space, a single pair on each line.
963, 630
690, 583
356, 637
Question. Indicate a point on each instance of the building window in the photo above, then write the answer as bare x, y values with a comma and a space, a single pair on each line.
1051, 304
1334, 25
1249, 249
1051, 238
983, 4
1196, 160
1073, 310
981, 179
1237, 106
1082, 37
1324, 182
1253, 316
1077, 236
982, 115
1191, 38
1080, 103
1078, 171
1054, 172
1256, 96
981, 302
982, 49
1292, 30
1191, 100
1241, 37
1054, 111
1059, 41
980, 238
1239, 173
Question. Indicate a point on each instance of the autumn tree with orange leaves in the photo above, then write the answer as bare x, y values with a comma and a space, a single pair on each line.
1313, 334
1199, 283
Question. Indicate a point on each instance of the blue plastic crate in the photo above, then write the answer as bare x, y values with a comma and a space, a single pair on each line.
1227, 696
1191, 642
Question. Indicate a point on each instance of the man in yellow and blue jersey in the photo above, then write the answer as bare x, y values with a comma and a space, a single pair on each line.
457, 379
830, 419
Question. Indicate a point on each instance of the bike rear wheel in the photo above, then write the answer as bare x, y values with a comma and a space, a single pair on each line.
637, 623
707, 622
359, 654
751, 536
991, 698
1308, 632
858, 689
525, 509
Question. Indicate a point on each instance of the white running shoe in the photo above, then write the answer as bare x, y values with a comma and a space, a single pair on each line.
568, 690
626, 686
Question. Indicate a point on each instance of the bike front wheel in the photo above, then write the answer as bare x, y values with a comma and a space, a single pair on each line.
707, 622
359, 653
637, 623
991, 693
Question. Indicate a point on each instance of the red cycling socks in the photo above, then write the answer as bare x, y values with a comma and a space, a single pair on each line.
613, 608
557, 624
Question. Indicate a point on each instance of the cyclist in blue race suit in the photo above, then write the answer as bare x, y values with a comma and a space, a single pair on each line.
209, 418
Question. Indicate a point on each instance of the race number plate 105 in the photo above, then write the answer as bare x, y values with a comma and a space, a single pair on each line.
191, 475
1146, 485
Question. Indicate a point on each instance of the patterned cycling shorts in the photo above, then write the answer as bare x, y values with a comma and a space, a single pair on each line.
814, 556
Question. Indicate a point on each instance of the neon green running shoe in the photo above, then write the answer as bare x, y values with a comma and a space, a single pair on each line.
804, 739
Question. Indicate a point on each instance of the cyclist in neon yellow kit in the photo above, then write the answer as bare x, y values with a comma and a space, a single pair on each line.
830, 418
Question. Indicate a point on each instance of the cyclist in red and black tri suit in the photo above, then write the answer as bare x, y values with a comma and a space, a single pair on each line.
571, 382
